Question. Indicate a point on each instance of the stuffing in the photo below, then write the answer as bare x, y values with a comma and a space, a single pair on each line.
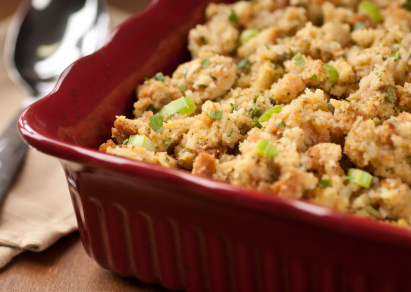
306, 100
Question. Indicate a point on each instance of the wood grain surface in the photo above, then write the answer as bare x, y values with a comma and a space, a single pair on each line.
65, 266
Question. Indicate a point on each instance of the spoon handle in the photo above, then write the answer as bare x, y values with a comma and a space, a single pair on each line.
12, 152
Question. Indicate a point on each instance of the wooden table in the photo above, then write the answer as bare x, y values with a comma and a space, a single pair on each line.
65, 266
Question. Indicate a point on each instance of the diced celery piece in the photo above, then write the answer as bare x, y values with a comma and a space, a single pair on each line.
183, 105
360, 177
332, 71
371, 10
143, 141
266, 148
247, 34
268, 113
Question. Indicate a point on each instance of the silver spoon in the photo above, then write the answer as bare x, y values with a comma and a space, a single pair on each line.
45, 36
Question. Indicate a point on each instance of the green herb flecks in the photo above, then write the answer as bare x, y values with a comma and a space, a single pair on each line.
324, 184
359, 26
282, 124
166, 142
243, 63
205, 62
233, 17
230, 134
314, 77
299, 61
216, 115
182, 88
159, 76
156, 122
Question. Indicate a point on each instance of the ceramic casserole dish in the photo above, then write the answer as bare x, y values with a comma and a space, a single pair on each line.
181, 231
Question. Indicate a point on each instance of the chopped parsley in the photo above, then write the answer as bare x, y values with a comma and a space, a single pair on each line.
203, 40
384, 58
314, 77
359, 26
217, 114
230, 134
324, 184
407, 5
249, 111
205, 62
166, 142
159, 76
395, 55
232, 107
389, 96
243, 63
182, 88
156, 122
233, 17
255, 111
299, 61
150, 108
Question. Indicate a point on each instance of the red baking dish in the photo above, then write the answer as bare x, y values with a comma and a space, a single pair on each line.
185, 232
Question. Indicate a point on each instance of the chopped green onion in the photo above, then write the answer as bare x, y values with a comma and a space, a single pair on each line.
268, 113
282, 124
217, 114
266, 148
203, 86
205, 62
243, 63
233, 17
185, 70
359, 26
371, 10
247, 34
291, 53
255, 99
183, 105
159, 76
332, 71
143, 141
299, 61
324, 184
182, 88
156, 122
125, 142
314, 77
203, 40
230, 134
360, 177
376, 120
378, 74
373, 211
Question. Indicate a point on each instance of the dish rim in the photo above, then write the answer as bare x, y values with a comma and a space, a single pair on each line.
294, 209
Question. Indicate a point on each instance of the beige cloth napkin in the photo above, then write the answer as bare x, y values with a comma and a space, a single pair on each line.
37, 209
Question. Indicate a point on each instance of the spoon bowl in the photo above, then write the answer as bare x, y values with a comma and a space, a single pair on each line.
45, 37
